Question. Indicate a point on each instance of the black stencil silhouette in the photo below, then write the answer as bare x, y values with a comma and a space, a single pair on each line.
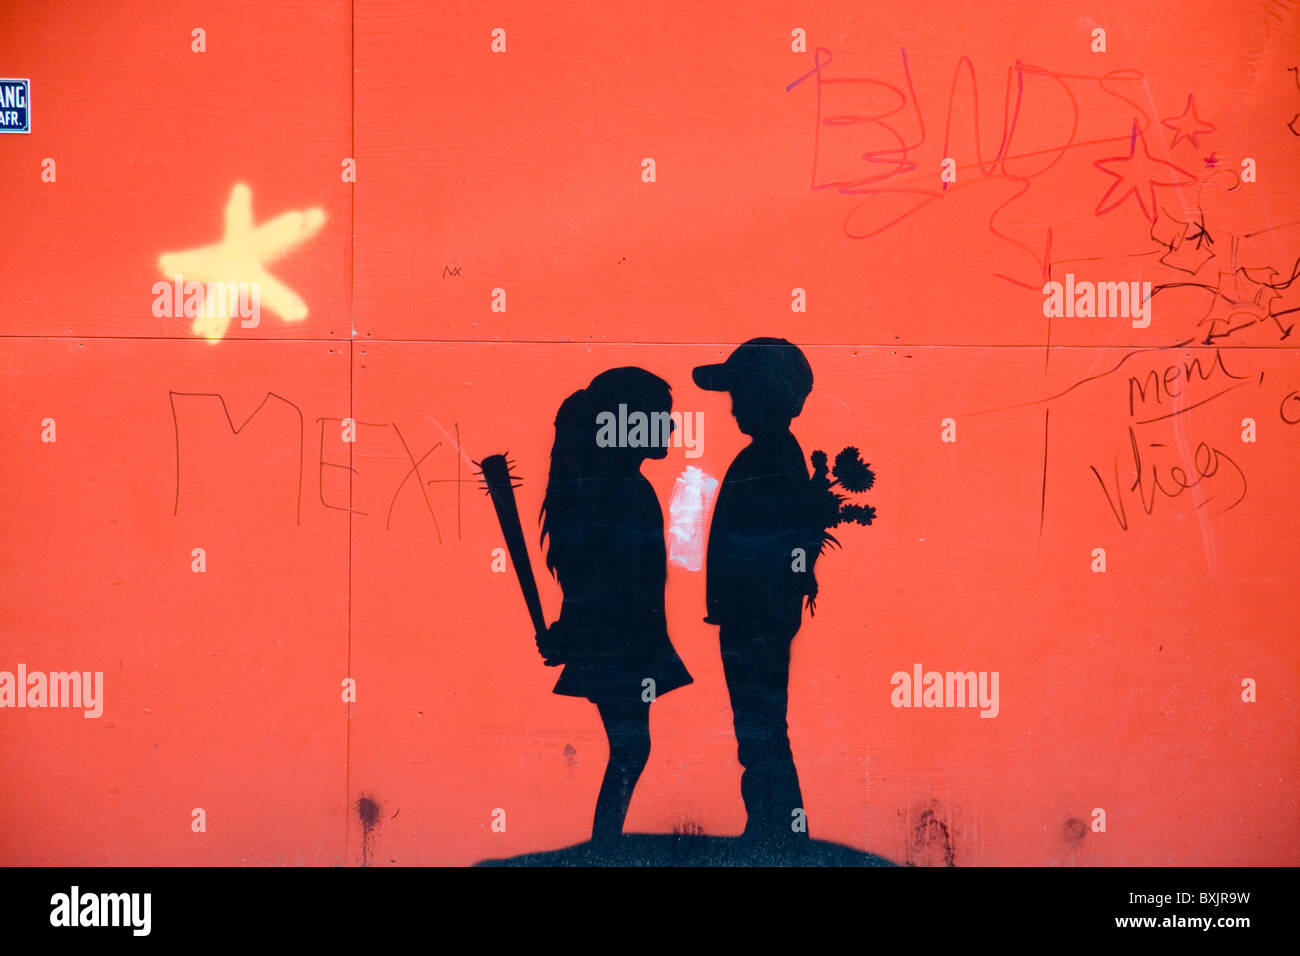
604, 535
763, 543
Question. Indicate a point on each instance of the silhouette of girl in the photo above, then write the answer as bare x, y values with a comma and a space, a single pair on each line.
606, 550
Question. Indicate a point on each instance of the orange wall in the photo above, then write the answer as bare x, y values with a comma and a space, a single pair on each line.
1119, 690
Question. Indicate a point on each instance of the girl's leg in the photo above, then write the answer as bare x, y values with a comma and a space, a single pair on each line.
627, 725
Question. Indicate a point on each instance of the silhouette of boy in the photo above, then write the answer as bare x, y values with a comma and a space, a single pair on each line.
757, 580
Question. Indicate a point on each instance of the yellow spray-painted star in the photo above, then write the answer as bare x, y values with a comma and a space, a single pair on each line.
241, 257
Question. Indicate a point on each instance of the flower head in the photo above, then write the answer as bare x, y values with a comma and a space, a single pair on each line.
852, 472
860, 514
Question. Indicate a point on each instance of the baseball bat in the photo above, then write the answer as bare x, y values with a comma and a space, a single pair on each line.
495, 470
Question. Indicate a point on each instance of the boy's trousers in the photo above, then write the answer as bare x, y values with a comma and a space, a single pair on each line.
756, 661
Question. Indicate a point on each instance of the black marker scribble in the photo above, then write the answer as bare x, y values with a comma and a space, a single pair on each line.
415, 470
235, 430
1149, 485
324, 462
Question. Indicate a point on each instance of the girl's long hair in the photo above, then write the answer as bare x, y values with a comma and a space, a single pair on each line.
578, 466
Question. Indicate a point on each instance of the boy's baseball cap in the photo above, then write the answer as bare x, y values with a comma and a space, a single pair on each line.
774, 366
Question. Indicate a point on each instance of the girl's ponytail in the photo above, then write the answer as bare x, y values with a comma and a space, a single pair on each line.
574, 433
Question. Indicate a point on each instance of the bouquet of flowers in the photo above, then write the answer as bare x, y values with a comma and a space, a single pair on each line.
831, 507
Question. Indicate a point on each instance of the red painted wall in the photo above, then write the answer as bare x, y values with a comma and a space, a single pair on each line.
774, 170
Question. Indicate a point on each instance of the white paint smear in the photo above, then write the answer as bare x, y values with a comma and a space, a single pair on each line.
692, 495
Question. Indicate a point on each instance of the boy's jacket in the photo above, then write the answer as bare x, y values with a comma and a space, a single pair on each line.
762, 515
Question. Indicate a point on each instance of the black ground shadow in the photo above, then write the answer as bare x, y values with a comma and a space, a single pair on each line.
684, 849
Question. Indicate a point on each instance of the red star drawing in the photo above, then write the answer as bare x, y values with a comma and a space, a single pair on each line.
1188, 127
1140, 174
